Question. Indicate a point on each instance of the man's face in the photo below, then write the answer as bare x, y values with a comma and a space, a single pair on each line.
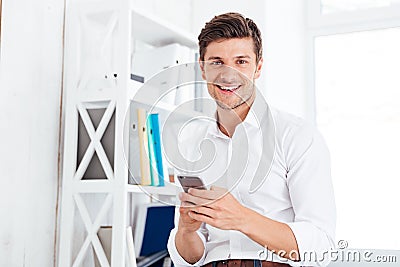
230, 69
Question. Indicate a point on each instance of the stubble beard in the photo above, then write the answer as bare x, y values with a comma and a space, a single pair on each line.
242, 100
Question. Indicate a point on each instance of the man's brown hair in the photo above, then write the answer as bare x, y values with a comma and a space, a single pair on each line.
227, 26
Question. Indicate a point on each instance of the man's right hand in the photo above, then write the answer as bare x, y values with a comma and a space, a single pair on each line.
187, 241
186, 223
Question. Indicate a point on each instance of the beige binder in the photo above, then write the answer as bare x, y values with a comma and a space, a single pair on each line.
143, 143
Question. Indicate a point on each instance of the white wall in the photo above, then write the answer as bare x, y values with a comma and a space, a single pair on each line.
205, 10
31, 60
178, 12
284, 56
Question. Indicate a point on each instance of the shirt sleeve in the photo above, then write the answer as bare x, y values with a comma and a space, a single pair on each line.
173, 251
311, 192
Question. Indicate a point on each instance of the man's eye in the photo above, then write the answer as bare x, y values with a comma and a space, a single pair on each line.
216, 63
241, 61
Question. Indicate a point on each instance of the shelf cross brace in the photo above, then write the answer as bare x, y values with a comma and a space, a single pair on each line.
92, 229
95, 141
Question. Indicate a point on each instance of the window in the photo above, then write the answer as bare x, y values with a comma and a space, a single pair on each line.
333, 6
357, 88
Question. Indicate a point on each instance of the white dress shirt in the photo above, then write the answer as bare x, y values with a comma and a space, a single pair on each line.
277, 165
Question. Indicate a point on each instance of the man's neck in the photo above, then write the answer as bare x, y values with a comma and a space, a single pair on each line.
228, 119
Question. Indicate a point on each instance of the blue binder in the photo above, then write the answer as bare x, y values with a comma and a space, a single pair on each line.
152, 228
155, 150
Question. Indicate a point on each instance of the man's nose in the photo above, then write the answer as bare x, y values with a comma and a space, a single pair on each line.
228, 74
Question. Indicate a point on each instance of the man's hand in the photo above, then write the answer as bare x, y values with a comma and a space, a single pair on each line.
216, 207
186, 223
187, 241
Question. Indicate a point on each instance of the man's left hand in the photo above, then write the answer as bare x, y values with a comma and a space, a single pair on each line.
216, 207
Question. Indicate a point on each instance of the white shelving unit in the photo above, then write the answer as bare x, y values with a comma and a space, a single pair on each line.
98, 45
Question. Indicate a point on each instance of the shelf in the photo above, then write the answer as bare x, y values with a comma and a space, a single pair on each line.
112, 29
157, 32
104, 186
149, 260
160, 106
167, 190
146, 27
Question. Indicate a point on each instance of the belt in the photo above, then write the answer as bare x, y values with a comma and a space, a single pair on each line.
245, 263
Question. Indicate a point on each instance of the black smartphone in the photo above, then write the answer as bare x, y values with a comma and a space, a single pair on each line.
191, 182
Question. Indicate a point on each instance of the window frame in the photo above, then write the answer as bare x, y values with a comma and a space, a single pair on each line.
319, 24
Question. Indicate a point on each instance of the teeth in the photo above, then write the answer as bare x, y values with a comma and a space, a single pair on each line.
231, 88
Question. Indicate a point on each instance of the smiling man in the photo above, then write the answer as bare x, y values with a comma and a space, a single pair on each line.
277, 204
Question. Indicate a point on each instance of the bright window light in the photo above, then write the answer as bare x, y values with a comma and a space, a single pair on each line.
358, 112
331, 6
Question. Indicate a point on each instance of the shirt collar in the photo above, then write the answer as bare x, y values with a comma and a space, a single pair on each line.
250, 120
214, 130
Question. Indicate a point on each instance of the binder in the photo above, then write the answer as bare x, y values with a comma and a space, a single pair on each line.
156, 157
134, 175
153, 225
105, 237
152, 156
143, 151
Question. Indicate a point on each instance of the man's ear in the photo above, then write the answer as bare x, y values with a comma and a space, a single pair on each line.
201, 64
258, 68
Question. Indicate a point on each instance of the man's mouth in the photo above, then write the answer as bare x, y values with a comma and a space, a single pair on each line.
228, 89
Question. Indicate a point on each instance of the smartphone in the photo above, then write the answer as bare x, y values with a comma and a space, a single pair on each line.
191, 182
